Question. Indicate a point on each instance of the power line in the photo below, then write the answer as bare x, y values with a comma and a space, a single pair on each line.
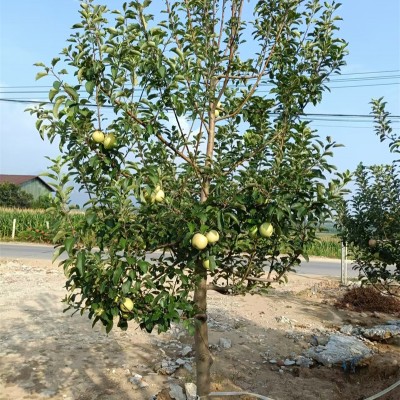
5, 91
332, 80
315, 116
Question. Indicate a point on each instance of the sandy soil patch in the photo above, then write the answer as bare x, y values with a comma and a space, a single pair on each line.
47, 354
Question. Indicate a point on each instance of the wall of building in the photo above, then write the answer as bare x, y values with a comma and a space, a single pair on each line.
36, 188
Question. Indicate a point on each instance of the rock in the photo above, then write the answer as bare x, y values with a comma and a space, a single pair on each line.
179, 361
190, 390
322, 340
176, 392
225, 343
284, 320
289, 363
302, 361
138, 381
347, 329
272, 361
186, 351
48, 393
381, 332
340, 350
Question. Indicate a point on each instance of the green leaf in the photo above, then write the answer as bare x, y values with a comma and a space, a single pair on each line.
91, 217
40, 75
89, 86
72, 92
144, 266
57, 105
117, 275
162, 71
213, 265
53, 93
55, 60
57, 253
109, 326
69, 244
80, 262
126, 286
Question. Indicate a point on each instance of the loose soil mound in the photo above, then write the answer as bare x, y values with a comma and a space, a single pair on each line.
369, 299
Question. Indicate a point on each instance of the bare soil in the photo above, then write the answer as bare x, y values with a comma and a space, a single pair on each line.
47, 354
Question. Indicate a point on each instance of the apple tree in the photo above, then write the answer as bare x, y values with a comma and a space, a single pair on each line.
183, 121
370, 218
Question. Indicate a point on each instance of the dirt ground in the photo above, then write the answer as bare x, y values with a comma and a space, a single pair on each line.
47, 354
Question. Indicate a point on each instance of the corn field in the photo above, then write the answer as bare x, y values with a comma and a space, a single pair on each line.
32, 225
327, 246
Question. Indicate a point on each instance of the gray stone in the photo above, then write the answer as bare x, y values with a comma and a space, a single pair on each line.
191, 390
176, 392
272, 361
302, 361
340, 350
225, 343
48, 393
186, 351
136, 379
381, 332
179, 361
289, 363
284, 320
347, 329
322, 340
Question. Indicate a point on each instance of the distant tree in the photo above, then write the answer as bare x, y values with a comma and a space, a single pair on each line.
370, 219
43, 202
12, 195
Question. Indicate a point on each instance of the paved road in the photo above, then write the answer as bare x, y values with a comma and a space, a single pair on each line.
316, 266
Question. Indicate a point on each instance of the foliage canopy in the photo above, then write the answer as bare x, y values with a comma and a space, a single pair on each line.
180, 105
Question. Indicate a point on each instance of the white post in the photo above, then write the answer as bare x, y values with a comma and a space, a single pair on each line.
47, 225
343, 264
13, 228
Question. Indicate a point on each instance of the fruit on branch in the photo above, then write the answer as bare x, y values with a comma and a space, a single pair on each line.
199, 241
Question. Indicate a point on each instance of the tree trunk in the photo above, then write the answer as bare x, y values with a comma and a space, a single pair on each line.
203, 355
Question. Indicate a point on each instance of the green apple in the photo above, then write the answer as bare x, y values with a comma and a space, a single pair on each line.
266, 229
125, 315
98, 136
206, 264
212, 236
216, 113
126, 305
253, 231
199, 241
99, 312
159, 196
109, 141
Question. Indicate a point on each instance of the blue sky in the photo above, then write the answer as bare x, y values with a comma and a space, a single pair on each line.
36, 30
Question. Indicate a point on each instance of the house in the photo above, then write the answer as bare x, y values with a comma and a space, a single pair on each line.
32, 184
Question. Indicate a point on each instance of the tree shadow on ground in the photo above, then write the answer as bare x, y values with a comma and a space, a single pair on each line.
49, 354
